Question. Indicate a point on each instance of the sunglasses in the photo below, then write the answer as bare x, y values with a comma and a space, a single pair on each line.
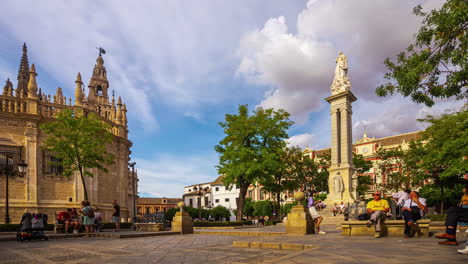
375, 194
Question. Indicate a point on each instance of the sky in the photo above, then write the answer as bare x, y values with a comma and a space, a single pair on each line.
180, 66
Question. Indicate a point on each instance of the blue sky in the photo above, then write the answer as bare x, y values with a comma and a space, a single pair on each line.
182, 65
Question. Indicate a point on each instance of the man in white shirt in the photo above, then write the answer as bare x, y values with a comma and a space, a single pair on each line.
400, 197
413, 210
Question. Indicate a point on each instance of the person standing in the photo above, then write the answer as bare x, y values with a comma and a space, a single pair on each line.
88, 217
116, 216
400, 197
314, 214
412, 210
378, 209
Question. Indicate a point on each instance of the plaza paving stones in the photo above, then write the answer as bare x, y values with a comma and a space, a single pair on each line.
328, 248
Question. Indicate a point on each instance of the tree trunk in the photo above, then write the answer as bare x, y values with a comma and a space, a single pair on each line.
241, 201
279, 215
442, 198
84, 184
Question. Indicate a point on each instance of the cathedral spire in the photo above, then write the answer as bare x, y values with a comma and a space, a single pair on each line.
78, 92
118, 116
98, 84
23, 73
32, 84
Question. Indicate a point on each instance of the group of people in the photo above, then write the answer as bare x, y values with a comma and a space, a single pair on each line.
412, 209
88, 217
338, 209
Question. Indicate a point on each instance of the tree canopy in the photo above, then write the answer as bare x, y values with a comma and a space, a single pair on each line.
250, 151
79, 143
436, 64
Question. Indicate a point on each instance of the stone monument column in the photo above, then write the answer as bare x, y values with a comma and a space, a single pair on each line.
340, 182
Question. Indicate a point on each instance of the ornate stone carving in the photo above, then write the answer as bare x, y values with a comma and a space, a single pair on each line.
341, 81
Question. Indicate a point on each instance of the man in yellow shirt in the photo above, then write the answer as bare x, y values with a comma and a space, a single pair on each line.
378, 209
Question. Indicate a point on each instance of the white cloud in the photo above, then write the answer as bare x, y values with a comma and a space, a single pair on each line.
299, 67
167, 175
302, 140
383, 119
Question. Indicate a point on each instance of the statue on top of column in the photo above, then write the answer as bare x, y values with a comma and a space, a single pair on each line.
341, 81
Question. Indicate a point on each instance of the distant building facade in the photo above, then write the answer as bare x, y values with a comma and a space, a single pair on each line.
43, 188
154, 205
211, 195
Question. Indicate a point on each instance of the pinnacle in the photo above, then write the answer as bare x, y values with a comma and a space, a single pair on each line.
78, 77
33, 68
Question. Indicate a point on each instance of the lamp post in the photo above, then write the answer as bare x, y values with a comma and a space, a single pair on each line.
132, 165
7, 169
200, 192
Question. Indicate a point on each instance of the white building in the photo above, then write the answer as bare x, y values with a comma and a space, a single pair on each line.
209, 195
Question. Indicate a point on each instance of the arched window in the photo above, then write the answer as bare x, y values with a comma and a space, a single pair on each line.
99, 90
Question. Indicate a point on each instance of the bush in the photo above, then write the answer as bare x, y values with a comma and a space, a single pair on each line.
227, 223
321, 197
436, 217
272, 222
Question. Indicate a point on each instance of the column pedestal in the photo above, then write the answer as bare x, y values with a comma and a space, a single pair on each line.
299, 221
182, 223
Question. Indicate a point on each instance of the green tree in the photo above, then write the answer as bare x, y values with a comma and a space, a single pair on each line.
219, 212
248, 207
436, 64
399, 168
263, 208
79, 143
249, 152
309, 174
282, 178
442, 151
362, 166
171, 213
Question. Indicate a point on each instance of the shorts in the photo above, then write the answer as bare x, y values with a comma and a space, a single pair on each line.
115, 219
313, 212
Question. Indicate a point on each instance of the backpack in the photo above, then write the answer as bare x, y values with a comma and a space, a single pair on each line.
363, 217
90, 213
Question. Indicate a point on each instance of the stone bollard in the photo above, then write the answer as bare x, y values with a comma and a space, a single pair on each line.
182, 222
299, 220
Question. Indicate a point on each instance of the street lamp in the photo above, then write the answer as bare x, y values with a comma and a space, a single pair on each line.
7, 169
133, 190
200, 192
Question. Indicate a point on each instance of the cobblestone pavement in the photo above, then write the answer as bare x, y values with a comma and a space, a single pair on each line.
332, 248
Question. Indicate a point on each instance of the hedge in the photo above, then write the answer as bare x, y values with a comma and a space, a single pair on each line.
272, 222
436, 217
226, 223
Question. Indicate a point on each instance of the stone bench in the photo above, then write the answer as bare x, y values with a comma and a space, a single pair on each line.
149, 226
59, 228
389, 228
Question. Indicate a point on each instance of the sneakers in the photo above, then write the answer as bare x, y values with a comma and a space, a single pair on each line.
463, 251
75, 231
377, 235
445, 236
370, 223
449, 242
322, 232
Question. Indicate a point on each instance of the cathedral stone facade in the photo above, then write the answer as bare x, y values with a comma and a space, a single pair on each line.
42, 188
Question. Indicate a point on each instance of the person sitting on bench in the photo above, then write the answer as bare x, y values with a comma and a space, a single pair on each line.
64, 218
378, 209
413, 210
455, 214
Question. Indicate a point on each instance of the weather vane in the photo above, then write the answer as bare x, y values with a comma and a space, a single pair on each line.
101, 51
